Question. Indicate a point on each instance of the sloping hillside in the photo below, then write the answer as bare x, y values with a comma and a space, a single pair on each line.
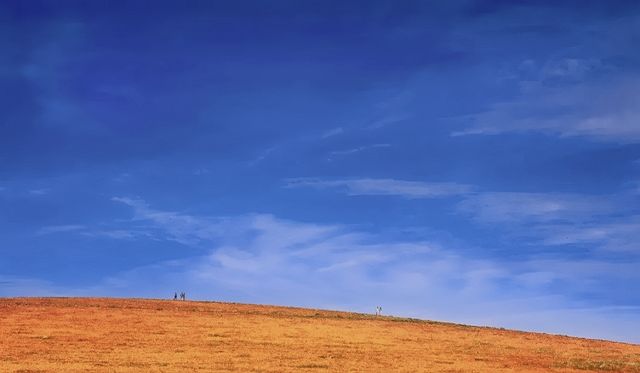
130, 335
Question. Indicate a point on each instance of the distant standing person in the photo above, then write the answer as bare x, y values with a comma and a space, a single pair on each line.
175, 296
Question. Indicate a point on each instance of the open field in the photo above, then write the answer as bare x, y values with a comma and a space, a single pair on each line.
127, 335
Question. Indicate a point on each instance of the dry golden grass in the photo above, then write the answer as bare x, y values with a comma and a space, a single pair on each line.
127, 335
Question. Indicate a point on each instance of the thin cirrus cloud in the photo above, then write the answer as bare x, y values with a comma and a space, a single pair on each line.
175, 226
554, 219
551, 219
39, 192
262, 156
60, 229
340, 153
617, 235
333, 132
567, 98
484, 207
390, 187
262, 258
130, 233
514, 207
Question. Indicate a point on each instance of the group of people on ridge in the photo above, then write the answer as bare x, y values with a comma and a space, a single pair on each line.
183, 296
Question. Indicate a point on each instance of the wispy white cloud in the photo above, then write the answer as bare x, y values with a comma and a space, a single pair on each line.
339, 153
510, 207
201, 171
333, 132
567, 97
182, 228
565, 68
611, 234
392, 187
265, 259
387, 120
593, 222
39, 192
549, 218
121, 234
60, 229
129, 233
262, 156
122, 177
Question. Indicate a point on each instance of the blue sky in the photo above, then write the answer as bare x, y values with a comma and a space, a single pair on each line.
469, 161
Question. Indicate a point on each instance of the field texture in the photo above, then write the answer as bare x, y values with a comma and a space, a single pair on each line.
127, 335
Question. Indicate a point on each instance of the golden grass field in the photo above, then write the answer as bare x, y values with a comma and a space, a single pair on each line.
133, 335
